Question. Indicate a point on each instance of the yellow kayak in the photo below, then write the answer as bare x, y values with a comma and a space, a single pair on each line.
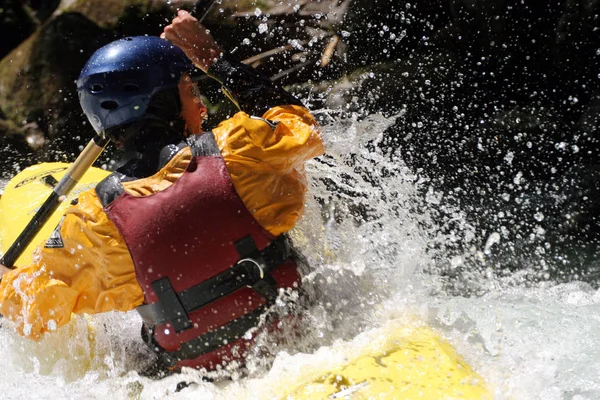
24, 194
410, 362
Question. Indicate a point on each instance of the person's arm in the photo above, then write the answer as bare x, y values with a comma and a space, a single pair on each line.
88, 271
264, 156
251, 91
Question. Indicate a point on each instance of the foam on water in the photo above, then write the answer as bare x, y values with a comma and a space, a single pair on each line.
366, 240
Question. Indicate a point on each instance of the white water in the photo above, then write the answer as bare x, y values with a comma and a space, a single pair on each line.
527, 342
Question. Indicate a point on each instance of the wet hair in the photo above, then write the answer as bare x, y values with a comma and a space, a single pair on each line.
162, 123
166, 105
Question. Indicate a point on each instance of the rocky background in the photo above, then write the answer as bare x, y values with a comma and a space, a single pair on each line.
496, 104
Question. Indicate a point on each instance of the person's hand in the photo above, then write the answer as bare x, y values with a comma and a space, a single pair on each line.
194, 39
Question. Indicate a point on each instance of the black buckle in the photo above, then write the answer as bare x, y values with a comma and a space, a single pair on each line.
262, 282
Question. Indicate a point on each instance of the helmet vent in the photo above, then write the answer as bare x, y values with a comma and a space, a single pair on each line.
96, 88
130, 87
109, 105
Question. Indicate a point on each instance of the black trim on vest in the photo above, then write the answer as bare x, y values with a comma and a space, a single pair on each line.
179, 318
204, 144
168, 152
208, 342
251, 271
110, 188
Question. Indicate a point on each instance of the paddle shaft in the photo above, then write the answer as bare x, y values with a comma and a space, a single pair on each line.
201, 9
60, 191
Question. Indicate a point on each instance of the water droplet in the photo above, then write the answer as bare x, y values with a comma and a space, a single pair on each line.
538, 216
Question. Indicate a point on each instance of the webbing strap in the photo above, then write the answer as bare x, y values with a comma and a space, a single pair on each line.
168, 298
213, 340
252, 270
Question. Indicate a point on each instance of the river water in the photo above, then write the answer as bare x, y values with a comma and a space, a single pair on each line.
367, 236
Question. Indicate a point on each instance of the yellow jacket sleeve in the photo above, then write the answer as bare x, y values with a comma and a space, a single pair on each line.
266, 162
92, 273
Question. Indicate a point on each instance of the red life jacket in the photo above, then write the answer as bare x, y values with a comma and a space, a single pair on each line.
206, 267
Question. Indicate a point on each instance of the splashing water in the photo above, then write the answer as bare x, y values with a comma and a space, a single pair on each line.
366, 236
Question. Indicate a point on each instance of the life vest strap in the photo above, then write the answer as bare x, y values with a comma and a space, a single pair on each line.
169, 300
210, 341
251, 271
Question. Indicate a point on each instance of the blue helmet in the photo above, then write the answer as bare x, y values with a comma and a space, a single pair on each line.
119, 80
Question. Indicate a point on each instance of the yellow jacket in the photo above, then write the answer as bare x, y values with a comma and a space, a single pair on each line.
94, 271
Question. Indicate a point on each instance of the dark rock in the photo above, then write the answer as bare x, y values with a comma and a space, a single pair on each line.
43, 8
126, 17
16, 24
37, 80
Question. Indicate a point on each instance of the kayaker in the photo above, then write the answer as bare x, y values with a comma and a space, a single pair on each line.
190, 231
